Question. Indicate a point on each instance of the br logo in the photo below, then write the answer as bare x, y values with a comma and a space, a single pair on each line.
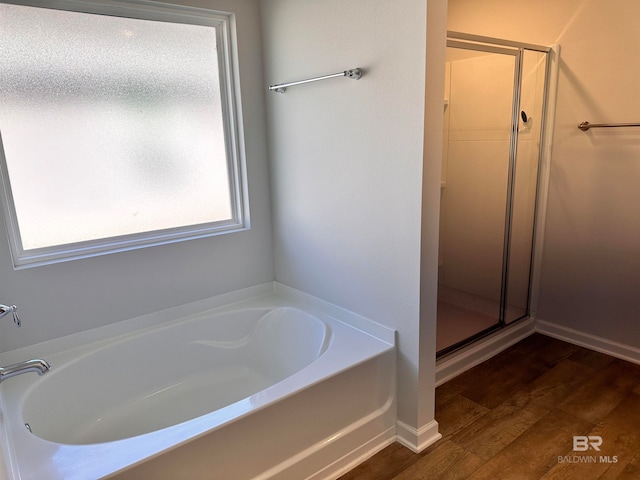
582, 443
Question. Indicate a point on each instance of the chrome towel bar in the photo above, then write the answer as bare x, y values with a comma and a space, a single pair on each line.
584, 126
354, 73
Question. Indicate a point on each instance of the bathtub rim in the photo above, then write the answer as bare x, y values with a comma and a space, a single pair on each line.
92, 338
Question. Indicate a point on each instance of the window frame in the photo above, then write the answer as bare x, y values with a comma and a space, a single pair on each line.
224, 24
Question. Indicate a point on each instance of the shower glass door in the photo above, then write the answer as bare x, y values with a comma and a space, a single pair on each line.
478, 118
494, 105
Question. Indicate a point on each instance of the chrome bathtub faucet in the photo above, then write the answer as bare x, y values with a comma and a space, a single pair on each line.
36, 365
39, 366
6, 310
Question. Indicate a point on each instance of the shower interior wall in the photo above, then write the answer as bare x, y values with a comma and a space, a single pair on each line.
591, 259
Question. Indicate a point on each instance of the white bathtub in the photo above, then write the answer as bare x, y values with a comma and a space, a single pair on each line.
272, 386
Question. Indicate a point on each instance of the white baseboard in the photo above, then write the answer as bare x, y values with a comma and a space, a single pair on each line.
582, 339
476, 353
417, 440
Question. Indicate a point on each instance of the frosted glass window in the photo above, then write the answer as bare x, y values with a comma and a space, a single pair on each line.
113, 128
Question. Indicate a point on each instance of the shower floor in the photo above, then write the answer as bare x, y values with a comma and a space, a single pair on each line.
456, 323
462, 315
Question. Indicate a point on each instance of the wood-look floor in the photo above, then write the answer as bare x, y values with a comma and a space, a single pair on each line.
514, 415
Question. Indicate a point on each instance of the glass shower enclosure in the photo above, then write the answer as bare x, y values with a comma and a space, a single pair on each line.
495, 94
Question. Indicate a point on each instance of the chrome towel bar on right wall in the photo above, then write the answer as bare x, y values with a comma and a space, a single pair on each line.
584, 126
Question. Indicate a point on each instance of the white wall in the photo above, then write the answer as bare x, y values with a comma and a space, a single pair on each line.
61, 299
347, 158
431, 177
591, 264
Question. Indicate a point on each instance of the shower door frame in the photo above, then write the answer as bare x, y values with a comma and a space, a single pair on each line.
517, 49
